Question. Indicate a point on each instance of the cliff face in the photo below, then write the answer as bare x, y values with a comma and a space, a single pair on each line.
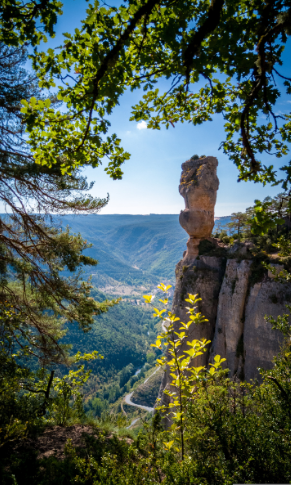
235, 306
237, 293
204, 276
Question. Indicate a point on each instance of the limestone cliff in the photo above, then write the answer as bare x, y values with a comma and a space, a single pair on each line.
235, 289
235, 299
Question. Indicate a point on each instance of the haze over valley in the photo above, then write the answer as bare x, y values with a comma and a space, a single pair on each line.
134, 252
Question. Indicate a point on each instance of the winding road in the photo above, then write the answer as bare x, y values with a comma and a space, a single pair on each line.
128, 400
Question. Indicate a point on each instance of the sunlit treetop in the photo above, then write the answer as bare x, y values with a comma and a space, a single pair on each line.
234, 46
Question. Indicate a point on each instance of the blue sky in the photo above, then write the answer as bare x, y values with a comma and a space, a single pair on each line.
151, 176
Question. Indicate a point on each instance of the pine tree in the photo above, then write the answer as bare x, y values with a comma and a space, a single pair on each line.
34, 251
238, 222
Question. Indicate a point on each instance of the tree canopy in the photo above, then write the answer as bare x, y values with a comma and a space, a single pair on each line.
20, 20
234, 48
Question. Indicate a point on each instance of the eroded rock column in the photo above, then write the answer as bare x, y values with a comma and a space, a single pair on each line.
198, 185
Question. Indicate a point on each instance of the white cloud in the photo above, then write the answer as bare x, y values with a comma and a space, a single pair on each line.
142, 125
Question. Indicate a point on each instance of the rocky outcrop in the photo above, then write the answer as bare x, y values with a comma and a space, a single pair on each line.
260, 342
235, 300
204, 276
198, 186
237, 292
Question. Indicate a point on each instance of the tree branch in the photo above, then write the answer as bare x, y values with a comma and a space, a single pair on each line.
204, 30
260, 69
112, 56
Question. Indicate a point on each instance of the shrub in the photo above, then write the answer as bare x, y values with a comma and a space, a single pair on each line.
151, 357
226, 239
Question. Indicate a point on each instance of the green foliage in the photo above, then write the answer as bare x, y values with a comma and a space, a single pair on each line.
29, 398
184, 375
18, 21
18, 409
96, 406
151, 357
210, 249
232, 432
133, 46
38, 258
125, 375
226, 239
205, 246
238, 221
66, 401
266, 225
121, 336
227, 431
222, 233
282, 324
263, 218
284, 246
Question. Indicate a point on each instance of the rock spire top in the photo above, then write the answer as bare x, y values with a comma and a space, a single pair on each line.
198, 185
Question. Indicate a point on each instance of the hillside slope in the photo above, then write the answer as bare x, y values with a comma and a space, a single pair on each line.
133, 251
